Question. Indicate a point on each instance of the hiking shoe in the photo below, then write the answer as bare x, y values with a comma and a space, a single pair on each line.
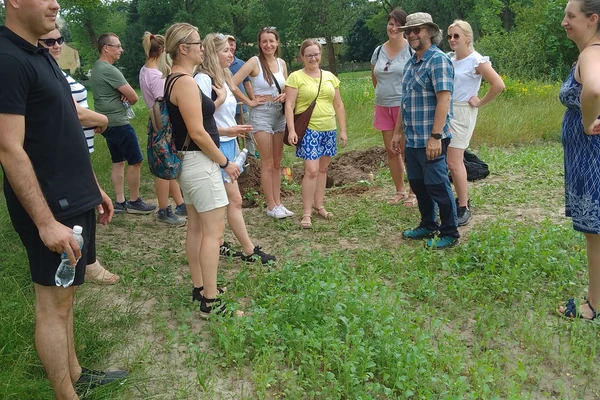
258, 254
120, 207
226, 251
464, 216
166, 216
91, 379
457, 203
139, 207
441, 243
418, 233
180, 210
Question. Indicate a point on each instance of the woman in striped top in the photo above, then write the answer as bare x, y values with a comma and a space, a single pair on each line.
92, 123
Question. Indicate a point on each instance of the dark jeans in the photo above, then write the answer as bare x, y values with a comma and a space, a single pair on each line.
429, 180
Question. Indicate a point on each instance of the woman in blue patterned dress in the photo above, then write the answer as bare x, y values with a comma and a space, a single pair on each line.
581, 141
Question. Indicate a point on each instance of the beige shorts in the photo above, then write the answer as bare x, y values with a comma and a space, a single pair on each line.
201, 182
462, 124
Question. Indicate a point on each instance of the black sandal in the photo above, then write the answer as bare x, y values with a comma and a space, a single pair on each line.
210, 306
197, 293
572, 311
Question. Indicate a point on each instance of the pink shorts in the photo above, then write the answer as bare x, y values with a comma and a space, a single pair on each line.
385, 118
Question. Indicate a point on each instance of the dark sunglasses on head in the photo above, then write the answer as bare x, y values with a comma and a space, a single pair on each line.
416, 30
50, 42
456, 36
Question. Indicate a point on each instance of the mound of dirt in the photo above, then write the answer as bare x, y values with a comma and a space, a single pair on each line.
351, 167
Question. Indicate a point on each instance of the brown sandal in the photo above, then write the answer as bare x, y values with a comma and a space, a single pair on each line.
323, 213
97, 274
410, 201
400, 196
306, 224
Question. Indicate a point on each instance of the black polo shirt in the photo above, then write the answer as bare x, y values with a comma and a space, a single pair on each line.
32, 85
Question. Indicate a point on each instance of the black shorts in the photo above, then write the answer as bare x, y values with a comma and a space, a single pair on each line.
43, 262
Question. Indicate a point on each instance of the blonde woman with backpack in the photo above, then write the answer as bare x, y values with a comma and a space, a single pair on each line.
191, 115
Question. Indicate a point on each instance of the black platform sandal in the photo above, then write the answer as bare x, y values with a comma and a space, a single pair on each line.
211, 306
197, 293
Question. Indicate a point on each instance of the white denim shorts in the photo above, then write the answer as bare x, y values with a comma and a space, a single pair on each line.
267, 117
201, 182
462, 124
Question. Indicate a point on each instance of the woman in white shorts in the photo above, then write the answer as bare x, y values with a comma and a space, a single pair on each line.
267, 74
469, 68
214, 79
191, 114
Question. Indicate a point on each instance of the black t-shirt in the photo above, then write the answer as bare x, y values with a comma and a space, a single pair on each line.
180, 130
32, 85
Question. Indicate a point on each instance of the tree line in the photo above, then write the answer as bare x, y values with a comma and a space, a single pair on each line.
523, 38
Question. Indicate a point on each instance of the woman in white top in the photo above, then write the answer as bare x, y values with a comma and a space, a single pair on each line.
152, 85
469, 68
267, 74
214, 79
387, 70
92, 122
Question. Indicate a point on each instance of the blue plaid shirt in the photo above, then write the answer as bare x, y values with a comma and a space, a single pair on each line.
422, 80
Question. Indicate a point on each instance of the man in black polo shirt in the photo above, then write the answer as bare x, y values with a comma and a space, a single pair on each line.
49, 184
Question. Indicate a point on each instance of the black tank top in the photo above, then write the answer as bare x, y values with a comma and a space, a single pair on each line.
180, 130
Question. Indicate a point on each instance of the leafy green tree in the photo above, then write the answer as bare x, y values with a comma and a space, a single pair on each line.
88, 19
2, 13
360, 42
326, 19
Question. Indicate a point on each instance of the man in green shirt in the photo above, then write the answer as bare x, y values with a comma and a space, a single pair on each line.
112, 96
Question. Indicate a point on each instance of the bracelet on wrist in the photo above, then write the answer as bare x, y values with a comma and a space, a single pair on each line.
224, 166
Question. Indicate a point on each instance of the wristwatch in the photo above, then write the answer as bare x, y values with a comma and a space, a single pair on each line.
436, 136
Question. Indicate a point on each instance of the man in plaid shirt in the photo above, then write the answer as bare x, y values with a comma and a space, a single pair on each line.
422, 133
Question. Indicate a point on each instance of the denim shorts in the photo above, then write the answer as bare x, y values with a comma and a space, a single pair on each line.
316, 144
123, 144
267, 117
230, 149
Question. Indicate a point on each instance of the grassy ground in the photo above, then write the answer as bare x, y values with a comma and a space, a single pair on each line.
350, 311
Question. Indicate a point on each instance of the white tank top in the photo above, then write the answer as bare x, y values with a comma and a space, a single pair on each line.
262, 87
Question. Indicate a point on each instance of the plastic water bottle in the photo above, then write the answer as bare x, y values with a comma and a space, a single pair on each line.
129, 110
239, 161
65, 274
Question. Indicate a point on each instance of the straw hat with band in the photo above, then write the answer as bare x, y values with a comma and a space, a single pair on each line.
418, 19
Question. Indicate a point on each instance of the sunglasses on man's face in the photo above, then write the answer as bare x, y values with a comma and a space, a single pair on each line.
416, 31
51, 42
456, 36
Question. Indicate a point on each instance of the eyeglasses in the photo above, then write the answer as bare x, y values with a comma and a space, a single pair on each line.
118, 46
416, 31
51, 42
199, 43
311, 56
456, 36
269, 28
387, 65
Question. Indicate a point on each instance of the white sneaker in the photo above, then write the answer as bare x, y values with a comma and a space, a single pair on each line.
287, 212
279, 212
271, 213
